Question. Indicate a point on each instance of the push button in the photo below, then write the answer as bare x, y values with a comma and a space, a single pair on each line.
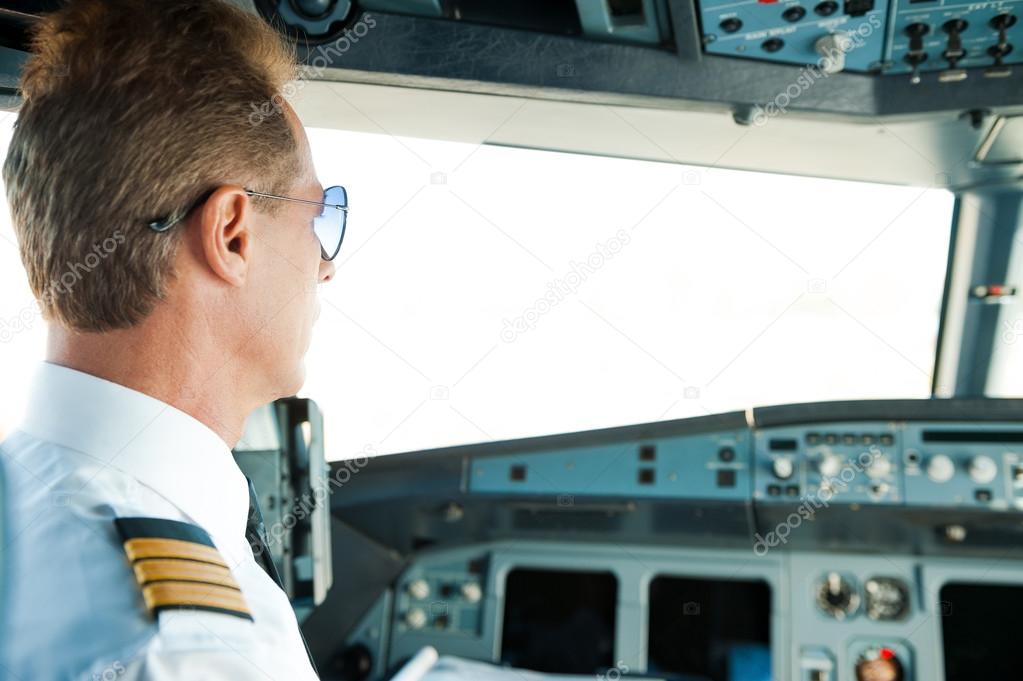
731, 24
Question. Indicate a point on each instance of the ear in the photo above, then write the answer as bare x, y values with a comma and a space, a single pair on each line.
226, 233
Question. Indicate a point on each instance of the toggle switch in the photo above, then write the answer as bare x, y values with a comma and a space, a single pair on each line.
954, 52
916, 55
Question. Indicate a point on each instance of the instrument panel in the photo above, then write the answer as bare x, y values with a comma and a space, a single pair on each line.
861, 36
923, 464
712, 615
901, 37
841, 542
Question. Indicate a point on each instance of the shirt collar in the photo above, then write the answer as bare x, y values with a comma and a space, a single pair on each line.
160, 446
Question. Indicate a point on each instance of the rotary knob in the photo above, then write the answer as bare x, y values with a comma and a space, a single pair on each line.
830, 465
880, 467
472, 592
940, 468
418, 589
983, 469
887, 598
783, 468
832, 49
313, 8
415, 618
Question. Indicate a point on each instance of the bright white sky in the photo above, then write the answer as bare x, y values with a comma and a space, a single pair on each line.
684, 291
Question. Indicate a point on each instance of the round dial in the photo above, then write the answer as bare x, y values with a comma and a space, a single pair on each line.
940, 468
472, 592
880, 467
887, 598
983, 469
419, 589
830, 465
782, 468
415, 618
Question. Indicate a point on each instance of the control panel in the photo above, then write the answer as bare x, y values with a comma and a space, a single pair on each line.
596, 608
898, 37
712, 466
919, 464
826, 542
839, 463
949, 36
868, 463
976, 466
444, 598
837, 35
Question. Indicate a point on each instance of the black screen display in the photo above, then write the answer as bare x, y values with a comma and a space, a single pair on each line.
559, 621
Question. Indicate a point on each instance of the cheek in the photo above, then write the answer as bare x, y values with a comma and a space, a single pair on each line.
290, 285
304, 280
305, 249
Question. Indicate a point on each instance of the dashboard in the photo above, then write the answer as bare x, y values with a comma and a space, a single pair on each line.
825, 542
875, 36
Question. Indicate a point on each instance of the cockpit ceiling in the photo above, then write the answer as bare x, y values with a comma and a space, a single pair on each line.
936, 150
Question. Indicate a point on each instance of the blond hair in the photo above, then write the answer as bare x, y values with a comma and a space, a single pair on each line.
132, 111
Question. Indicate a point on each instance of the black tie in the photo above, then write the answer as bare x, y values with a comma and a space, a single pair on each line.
255, 534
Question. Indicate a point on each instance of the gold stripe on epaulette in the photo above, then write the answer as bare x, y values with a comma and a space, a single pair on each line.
193, 594
167, 569
151, 547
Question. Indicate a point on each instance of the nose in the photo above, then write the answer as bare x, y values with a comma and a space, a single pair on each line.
327, 271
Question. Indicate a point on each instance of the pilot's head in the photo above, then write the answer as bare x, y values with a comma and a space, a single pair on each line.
146, 133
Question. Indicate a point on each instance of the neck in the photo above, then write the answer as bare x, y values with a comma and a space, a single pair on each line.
179, 364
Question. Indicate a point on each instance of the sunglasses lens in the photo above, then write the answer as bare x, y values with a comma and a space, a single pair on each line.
330, 224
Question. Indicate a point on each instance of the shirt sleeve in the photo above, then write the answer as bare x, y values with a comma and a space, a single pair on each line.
210, 647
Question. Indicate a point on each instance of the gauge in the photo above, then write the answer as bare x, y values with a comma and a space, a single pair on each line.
887, 598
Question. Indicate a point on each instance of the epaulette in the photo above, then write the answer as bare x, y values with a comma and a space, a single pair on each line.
178, 567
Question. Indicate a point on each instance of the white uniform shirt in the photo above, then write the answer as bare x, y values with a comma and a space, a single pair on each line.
90, 451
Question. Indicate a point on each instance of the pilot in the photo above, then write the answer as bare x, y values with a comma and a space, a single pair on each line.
174, 242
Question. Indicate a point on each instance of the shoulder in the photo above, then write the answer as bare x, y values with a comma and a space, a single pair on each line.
102, 571
72, 608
